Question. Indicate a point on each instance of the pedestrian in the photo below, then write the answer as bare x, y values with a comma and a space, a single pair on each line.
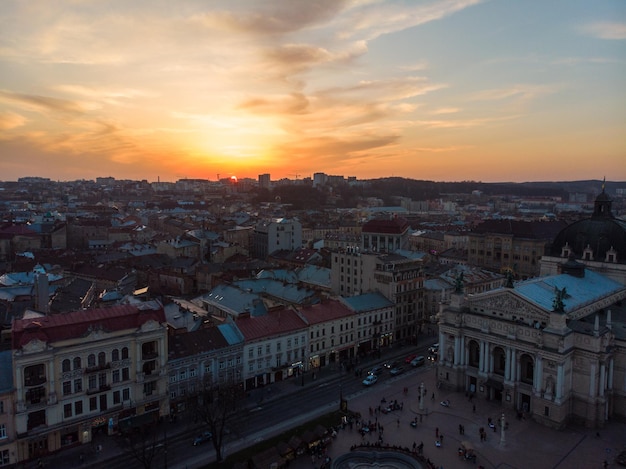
398, 422
433, 397
460, 429
441, 438
437, 432
474, 408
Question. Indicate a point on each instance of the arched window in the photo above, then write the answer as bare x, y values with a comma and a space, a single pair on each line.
65, 366
115, 355
102, 359
474, 354
77, 363
124, 353
527, 366
91, 360
499, 361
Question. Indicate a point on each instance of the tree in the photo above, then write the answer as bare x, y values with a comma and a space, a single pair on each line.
144, 445
219, 407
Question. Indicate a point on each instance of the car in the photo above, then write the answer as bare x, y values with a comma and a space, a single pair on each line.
390, 365
376, 370
202, 438
418, 361
433, 349
398, 370
410, 358
369, 380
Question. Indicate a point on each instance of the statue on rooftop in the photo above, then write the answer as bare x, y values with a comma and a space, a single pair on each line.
557, 304
458, 284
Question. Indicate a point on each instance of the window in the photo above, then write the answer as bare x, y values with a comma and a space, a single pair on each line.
65, 366
125, 374
115, 375
126, 394
1, 407
92, 382
115, 355
259, 351
124, 353
4, 457
77, 363
78, 407
182, 375
222, 365
91, 360
102, 380
3, 431
93, 404
67, 388
102, 359
268, 348
78, 385
116, 397
250, 353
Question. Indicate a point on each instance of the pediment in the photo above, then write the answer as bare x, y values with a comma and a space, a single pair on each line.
34, 346
507, 304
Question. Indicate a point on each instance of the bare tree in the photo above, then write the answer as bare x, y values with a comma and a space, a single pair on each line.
219, 406
144, 445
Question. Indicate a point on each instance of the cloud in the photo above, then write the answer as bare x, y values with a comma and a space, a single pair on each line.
606, 30
517, 91
11, 120
40, 103
446, 110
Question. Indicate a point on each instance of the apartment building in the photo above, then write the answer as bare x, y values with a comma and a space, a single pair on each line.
8, 446
275, 235
80, 373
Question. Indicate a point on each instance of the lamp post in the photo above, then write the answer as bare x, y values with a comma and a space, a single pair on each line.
502, 437
421, 397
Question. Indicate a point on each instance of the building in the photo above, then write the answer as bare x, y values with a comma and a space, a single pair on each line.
511, 245
8, 446
265, 181
598, 242
87, 372
551, 348
275, 346
205, 357
275, 235
374, 322
398, 276
385, 234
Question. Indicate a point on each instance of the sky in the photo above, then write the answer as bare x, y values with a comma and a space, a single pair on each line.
446, 90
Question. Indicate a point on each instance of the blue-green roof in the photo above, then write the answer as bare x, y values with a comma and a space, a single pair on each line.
367, 302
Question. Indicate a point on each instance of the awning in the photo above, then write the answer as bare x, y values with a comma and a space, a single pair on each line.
492, 383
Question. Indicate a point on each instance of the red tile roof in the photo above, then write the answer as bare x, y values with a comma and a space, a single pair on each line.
56, 327
274, 323
325, 311
397, 225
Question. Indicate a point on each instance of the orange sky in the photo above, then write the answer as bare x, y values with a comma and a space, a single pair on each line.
439, 90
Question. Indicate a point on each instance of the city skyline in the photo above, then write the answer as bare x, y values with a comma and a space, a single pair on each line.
438, 90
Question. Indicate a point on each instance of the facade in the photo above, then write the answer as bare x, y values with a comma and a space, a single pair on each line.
275, 346
398, 276
207, 356
80, 373
331, 333
374, 322
8, 446
265, 181
511, 245
385, 235
275, 235
548, 347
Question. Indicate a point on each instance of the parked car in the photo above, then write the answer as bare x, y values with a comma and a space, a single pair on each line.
398, 370
418, 361
202, 438
410, 358
369, 380
376, 370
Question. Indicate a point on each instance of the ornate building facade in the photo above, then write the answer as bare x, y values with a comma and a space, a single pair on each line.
553, 348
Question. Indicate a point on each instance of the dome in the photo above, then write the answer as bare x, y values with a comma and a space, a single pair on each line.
600, 238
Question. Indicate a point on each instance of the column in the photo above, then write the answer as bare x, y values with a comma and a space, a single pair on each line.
490, 357
538, 374
457, 350
592, 380
513, 375
481, 357
610, 384
602, 378
560, 378
442, 347
507, 365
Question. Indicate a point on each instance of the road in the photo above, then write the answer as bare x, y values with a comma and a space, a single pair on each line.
270, 416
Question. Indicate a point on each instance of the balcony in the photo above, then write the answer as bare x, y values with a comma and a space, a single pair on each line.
37, 380
93, 369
